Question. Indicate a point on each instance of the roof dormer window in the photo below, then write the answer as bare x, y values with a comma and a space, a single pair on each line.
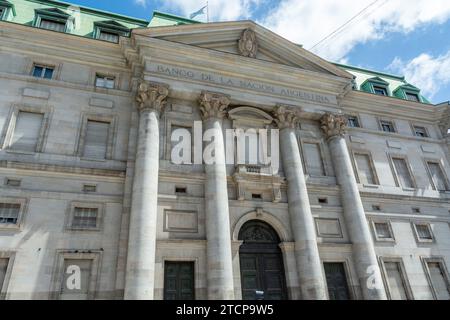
110, 31
6, 10
53, 19
376, 86
409, 92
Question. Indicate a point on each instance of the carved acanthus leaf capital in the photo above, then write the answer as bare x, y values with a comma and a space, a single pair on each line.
333, 125
152, 95
287, 117
248, 44
213, 105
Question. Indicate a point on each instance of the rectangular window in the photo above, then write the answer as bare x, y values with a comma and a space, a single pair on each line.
85, 218
439, 281
353, 122
383, 230
403, 175
3, 268
109, 36
45, 72
2, 12
83, 267
313, 159
89, 188
423, 232
27, 131
9, 213
52, 25
336, 281
412, 97
365, 172
179, 281
387, 126
395, 281
437, 176
104, 82
380, 91
420, 132
96, 139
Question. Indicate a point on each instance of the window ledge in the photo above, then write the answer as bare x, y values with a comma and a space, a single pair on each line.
31, 153
371, 186
83, 229
409, 189
93, 159
12, 227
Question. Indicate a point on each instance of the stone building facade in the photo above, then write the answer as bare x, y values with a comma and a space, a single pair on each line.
359, 209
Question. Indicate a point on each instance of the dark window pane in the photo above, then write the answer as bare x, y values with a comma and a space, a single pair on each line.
48, 73
380, 91
37, 71
336, 281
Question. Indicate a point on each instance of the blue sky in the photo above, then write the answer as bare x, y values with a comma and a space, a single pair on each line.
389, 35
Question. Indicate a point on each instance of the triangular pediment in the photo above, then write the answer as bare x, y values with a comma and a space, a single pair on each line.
225, 36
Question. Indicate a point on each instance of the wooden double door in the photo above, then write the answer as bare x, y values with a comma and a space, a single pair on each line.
261, 263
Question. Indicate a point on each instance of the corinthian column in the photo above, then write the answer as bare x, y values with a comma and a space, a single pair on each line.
140, 273
365, 259
312, 284
219, 258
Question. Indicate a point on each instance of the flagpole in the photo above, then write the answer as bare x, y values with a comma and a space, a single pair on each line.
207, 11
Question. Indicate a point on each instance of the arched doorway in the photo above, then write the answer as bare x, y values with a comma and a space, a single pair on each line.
261, 262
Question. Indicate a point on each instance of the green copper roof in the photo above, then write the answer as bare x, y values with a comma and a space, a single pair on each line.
160, 19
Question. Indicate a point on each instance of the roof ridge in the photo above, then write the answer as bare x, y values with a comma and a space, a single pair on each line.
402, 78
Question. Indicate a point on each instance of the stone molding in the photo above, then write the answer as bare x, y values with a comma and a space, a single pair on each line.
152, 96
213, 105
333, 125
286, 117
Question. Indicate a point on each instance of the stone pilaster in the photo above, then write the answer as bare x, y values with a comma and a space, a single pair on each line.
219, 257
140, 273
365, 259
309, 267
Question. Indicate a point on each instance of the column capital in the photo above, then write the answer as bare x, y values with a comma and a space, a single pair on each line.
287, 117
152, 95
333, 125
213, 105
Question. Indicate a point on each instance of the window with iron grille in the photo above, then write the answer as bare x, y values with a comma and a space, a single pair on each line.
353, 122
387, 126
420, 132
9, 213
102, 81
383, 230
85, 218
424, 232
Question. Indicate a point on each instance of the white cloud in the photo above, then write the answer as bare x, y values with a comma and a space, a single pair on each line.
428, 73
307, 22
219, 10
142, 3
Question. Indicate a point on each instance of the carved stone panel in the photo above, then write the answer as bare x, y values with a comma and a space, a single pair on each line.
248, 44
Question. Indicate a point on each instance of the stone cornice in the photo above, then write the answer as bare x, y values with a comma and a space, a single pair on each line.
152, 96
362, 102
333, 125
213, 105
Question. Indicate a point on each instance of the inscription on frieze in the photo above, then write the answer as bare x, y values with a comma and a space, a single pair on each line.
259, 86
